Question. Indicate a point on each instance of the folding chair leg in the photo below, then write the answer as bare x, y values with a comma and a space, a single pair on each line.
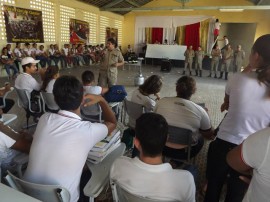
91, 199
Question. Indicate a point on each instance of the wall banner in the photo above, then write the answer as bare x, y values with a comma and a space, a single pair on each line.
23, 25
111, 33
79, 31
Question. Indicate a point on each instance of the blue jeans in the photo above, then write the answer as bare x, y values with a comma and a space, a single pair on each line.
11, 66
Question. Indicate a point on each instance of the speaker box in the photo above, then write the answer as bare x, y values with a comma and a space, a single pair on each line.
166, 66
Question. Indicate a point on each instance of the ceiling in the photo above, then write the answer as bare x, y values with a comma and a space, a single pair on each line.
124, 6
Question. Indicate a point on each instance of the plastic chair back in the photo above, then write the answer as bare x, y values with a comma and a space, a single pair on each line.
46, 193
48, 99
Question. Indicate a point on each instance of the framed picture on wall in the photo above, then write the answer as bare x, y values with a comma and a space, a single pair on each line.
79, 31
111, 33
23, 25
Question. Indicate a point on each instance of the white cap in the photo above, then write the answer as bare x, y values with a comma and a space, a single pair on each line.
28, 60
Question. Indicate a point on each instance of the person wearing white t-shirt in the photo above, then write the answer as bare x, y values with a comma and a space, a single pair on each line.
25, 80
62, 140
18, 53
216, 29
147, 95
34, 50
181, 112
42, 56
248, 104
88, 80
27, 50
11, 144
253, 156
50, 76
147, 175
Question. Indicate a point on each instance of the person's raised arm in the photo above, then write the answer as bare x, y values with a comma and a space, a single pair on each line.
108, 115
225, 104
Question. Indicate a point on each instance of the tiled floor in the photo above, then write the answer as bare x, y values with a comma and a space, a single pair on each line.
209, 90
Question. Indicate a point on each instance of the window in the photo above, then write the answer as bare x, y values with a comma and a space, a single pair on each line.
48, 9
104, 22
91, 18
2, 21
65, 14
118, 25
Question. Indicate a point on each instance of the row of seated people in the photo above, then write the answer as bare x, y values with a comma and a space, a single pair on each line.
69, 55
244, 117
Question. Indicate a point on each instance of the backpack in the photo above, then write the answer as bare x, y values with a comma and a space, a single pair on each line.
116, 93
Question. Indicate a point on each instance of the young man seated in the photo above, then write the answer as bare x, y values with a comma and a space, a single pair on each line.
62, 140
11, 144
147, 175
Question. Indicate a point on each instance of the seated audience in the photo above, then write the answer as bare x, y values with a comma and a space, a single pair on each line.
181, 112
27, 50
8, 62
88, 80
129, 49
42, 56
18, 52
66, 139
147, 94
50, 76
248, 104
147, 175
25, 80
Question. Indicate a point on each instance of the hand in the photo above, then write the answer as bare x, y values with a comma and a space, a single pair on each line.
248, 69
93, 99
245, 179
224, 106
157, 96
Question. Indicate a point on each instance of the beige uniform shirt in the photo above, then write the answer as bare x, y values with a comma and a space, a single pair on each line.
215, 54
110, 58
189, 54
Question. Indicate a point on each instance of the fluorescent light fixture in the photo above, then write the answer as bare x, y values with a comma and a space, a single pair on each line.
183, 9
231, 10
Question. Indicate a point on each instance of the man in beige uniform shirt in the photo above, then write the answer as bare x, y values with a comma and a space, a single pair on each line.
227, 57
111, 59
189, 55
239, 56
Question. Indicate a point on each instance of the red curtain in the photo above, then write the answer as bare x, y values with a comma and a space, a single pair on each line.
157, 35
192, 37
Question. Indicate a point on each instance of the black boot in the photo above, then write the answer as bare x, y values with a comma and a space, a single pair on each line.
200, 73
184, 73
196, 72
190, 73
210, 75
221, 75
226, 75
215, 76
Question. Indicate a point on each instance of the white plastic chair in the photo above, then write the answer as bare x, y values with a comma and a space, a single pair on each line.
120, 194
48, 100
4, 98
46, 193
100, 173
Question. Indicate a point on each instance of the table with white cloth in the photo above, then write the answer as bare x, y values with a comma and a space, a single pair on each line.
172, 52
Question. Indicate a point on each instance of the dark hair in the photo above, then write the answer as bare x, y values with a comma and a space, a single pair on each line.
217, 20
27, 44
113, 41
262, 47
5, 48
68, 92
48, 76
26, 65
151, 85
151, 130
185, 87
88, 77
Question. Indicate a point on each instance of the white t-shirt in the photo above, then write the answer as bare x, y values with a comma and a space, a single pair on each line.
145, 101
183, 113
256, 154
217, 25
27, 82
6, 154
60, 148
49, 88
39, 52
66, 51
96, 90
28, 51
249, 108
153, 181
51, 52
17, 52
